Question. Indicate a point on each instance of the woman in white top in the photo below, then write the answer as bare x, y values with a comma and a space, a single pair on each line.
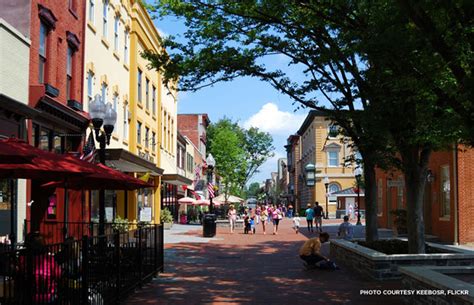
232, 215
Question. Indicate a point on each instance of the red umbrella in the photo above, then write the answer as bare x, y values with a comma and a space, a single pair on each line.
103, 178
41, 165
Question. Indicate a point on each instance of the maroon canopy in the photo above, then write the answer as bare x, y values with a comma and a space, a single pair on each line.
104, 178
41, 164
11, 153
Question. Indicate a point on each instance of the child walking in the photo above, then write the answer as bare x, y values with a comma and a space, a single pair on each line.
296, 223
252, 224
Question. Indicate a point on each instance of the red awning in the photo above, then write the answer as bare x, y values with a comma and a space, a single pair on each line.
103, 178
40, 164
14, 153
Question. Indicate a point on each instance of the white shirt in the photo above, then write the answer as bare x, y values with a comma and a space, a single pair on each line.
296, 221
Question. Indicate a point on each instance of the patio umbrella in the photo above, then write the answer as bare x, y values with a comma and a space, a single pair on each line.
230, 199
103, 178
203, 202
187, 200
40, 164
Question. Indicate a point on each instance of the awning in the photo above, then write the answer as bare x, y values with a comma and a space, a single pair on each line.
176, 179
128, 162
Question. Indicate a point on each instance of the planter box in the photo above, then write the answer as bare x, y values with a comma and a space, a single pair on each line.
450, 290
376, 265
167, 225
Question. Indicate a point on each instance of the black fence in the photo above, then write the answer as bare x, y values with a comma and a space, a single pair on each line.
92, 270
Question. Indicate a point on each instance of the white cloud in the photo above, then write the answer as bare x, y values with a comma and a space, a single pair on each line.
274, 121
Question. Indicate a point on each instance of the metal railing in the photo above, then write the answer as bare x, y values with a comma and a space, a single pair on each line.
91, 270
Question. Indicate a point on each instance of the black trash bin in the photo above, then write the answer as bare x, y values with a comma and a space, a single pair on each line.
209, 225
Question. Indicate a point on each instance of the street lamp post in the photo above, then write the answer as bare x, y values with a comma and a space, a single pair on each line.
102, 115
358, 175
326, 185
211, 163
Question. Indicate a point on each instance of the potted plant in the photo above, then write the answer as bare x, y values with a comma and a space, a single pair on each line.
166, 219
399, 221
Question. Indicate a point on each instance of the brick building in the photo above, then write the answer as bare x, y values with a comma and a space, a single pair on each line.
193, 127
448, 200
56, 61
293, 157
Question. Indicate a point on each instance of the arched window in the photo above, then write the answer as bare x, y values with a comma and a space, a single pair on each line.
333, 188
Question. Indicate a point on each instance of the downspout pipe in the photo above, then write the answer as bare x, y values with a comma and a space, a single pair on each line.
455, 195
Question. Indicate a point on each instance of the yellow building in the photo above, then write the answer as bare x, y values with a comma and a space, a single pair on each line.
145, 103
322, 146
116, 32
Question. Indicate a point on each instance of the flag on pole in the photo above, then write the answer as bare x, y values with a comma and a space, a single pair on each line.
88, 151
210, 190
197, 174
145, 177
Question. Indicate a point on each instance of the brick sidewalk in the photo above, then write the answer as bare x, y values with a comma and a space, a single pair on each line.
253, 269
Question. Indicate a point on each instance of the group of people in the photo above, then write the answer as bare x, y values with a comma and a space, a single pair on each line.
261, 214
314, 215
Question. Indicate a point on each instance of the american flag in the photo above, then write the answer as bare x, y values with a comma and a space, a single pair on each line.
210, 189
197, 175
88, 151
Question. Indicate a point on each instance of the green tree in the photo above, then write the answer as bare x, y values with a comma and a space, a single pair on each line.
345, 51
226, 147
258, 148
253, 190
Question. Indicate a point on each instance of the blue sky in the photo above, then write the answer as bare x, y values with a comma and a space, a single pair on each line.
248, 100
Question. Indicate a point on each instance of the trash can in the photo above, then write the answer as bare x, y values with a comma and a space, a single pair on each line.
209, 225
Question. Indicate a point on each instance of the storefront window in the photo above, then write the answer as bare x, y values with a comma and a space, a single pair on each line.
44, 142
57, 144
5, 209
51, 211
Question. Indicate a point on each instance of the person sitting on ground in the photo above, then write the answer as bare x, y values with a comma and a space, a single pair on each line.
346, 229
310, 252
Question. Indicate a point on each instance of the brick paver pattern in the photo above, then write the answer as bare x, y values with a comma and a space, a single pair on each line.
254, 269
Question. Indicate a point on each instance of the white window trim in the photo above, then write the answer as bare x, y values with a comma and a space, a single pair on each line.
329, 159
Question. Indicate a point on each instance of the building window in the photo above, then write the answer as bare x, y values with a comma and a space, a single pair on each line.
125, 47
125, 122
42, 52
115, 101
89, 85
333, 188
147, 93
445, 192
139, 133
70, 54
116, 33
380, 197
147, 134
72, 5
105, 18
153, 100
333, 158
153, 143
333, 131
103, 91
139, 85
45, 139
91, 11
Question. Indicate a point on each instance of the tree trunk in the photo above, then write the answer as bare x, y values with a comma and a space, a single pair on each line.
370, 193
415, 164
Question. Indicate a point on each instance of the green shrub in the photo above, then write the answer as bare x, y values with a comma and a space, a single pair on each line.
166, 216
121, 225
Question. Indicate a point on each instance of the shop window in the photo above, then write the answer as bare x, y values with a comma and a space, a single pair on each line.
57, 144
44, 140
51, 212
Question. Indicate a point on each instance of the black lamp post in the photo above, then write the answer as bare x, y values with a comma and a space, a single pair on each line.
326, 185
102, 115
358, 175
211, 163
310, 177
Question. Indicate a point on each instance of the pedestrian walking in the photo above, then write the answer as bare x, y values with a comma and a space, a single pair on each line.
252, 224
232, 216
309, 217
296, 223
276, 216
346, 229
258, 213
318, 214
290, 210
265, 217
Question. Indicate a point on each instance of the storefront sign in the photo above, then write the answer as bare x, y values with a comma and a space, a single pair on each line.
145, 214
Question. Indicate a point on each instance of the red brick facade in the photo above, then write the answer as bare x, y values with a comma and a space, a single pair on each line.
188, 126
460, 164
